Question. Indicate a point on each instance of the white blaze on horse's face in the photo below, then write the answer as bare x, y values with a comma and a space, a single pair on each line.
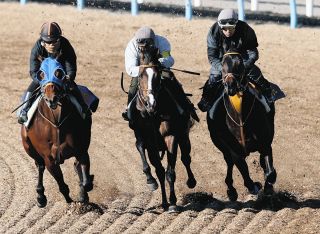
150, 73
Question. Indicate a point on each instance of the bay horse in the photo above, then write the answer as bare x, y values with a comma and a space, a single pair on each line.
241, 122
57, 132
158, 127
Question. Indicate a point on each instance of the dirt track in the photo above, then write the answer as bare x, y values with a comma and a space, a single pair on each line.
121, 201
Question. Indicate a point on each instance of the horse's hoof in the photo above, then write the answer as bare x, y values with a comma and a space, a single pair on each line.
173, 209
232, 194
256, 188
268, 189
165, 205
84, 198
89, 186
152, 184
41, 201
191, 183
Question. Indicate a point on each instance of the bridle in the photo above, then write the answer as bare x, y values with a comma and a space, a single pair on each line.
149, 90
239, 79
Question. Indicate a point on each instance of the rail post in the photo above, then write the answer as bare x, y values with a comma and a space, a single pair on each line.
254, 5
134, 7
188, 9
197, 3
293, 14
309, 8
80, 4
241, 15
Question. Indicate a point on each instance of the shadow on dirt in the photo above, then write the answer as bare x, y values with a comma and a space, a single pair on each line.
275, 202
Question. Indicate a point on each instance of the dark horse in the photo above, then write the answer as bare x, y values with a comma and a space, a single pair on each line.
159, 127
242, 122
58, 132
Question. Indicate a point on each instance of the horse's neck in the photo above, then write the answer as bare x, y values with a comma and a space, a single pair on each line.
57, 115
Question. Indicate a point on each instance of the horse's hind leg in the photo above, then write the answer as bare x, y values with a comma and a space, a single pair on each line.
82, 165
185, 148
56, 172
170, 172
151, 181
86, 180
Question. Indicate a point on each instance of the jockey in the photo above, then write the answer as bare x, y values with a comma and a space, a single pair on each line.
229, 32
52, 43
146, 37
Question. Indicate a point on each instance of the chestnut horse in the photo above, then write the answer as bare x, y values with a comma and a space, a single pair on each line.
56, 133
241, 122
159, 127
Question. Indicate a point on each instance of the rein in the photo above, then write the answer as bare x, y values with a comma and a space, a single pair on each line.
55, 125
241, 124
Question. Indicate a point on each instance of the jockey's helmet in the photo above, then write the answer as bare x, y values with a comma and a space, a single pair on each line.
50, 32
227, 18
145, 36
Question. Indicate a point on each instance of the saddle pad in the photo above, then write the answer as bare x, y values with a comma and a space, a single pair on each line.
31, 111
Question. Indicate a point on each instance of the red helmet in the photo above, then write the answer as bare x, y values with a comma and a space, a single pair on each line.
50, 31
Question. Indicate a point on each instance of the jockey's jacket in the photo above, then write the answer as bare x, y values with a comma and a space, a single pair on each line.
66, 56
244, 40
132, 58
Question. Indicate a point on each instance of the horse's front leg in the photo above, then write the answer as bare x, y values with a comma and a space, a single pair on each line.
185, 148
41, 198
231, 191
151, 181
56, 172
270, 174
154, 158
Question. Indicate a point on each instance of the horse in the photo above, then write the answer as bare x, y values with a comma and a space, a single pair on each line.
158, 127
57, 132
241, 122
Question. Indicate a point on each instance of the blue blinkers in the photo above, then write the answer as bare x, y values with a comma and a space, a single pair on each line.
49, 66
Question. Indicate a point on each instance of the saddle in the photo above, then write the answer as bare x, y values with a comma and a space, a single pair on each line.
277, 94
90, 99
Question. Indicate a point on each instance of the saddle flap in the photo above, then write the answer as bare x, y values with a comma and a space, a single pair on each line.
31, 111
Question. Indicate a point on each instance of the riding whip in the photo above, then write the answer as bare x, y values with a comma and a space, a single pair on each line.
122, 83
185, 71
35, 93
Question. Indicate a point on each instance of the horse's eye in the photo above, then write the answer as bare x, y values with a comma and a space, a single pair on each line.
40, 75
59, 74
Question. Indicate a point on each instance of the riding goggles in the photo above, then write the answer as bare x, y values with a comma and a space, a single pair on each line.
144, 41
52, 42
228, 23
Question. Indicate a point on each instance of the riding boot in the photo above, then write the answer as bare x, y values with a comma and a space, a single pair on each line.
255, 75
131, 93
75, 91
125, 112
266, 90
210, 91
23, 116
